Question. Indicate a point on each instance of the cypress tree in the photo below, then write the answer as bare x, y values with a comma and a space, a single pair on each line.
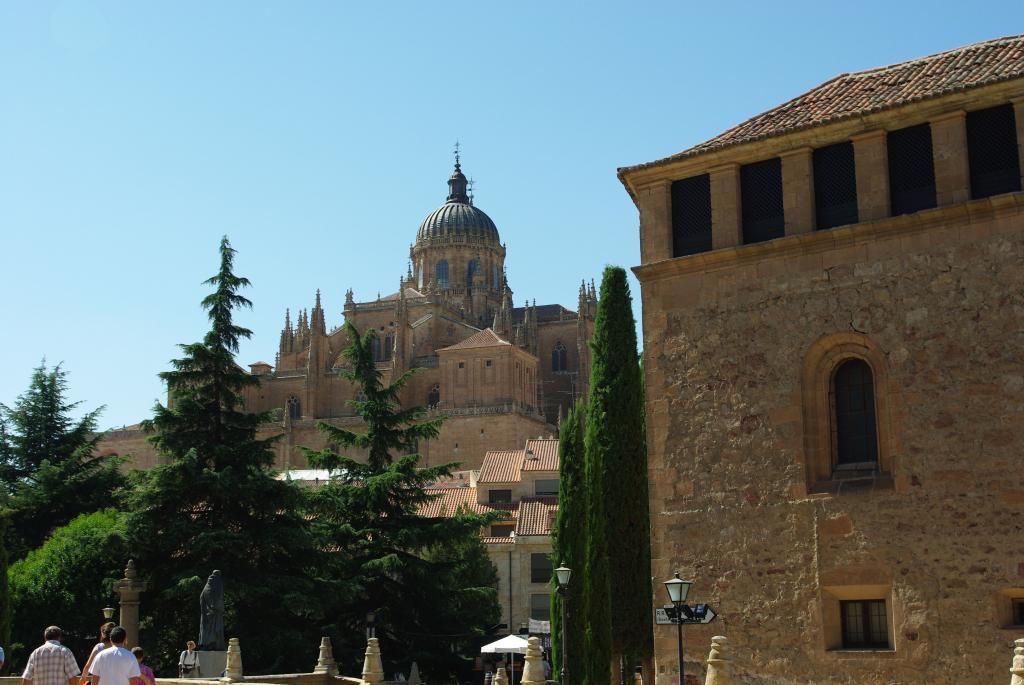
569, 547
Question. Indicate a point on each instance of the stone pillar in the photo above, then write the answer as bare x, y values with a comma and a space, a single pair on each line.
798, 190
949, 152
719, 662
500, 677
726, 212
871, 161
1018, 114
233, 670
129, 590
325, 663
533, 672
655, 203
373, 669
1017, 666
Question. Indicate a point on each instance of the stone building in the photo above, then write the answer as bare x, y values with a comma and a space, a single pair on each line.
500, 373
833, 314
524, 483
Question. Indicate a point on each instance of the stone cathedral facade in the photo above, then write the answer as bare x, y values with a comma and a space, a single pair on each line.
501, 374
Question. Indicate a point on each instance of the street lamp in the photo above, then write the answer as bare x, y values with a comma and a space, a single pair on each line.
677, 590
371, 630
108, 613
562, 575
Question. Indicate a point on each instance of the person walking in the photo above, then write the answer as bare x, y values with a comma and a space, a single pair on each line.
104, 643
148, 677
51, 663
189, 661
116, 665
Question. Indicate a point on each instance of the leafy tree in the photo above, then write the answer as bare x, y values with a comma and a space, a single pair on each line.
616, 444
48, 461
569, 546
66, 581
216, 504
427, 580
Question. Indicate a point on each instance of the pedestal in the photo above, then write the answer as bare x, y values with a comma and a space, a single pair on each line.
211, 665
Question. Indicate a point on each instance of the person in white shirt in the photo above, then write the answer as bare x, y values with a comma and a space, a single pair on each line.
116, 665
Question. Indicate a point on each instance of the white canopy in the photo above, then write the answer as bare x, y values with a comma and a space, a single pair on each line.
510, 644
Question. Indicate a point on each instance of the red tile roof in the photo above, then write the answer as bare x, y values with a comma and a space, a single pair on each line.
501, 466
544, 455
535, 515
485, 338
449, 500
864, 92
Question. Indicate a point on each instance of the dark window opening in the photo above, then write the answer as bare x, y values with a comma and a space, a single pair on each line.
434, 396
503, 530
489, 363
911, 170
442, 273
471, 270
856, 437
546, 487
499, 496
375, 349
294, 408
540, 568
992, 151
761, 194
691, 215
1018, 612
462, 365
559, 361
865, 624
389, 347
835, 186
540, 607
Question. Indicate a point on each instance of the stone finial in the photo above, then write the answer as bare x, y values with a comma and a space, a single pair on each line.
1017, 667
414, 674
719, 662
233, 670
373, 669
533, 672
325, 663
500, 678
129, 571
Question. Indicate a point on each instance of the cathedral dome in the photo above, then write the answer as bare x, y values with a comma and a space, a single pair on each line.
458, 216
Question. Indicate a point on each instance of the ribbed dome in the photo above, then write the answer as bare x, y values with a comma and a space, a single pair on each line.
458, 216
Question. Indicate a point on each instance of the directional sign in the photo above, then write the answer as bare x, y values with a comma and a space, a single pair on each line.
698, 614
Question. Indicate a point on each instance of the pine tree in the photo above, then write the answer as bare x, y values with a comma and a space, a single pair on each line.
216, 504
48, 461
569, 547
619, 448
427, 580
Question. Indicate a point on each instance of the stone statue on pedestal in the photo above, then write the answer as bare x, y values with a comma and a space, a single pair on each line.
211, 615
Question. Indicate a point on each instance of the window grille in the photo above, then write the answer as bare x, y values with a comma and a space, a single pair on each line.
835, 186
856, 436
691, 215
761, 190
865, 624
911, 170
559, 361
442, 273
992, 151
540, 568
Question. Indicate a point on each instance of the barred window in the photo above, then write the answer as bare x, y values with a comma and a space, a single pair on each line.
835, 186
992, 151
911, 170
691, 215
761, 191
856, 437
865, 624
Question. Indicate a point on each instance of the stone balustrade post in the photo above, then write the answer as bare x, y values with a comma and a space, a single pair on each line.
719, 662
373, 669
1017, 666
533, 671
233, 670
325, 662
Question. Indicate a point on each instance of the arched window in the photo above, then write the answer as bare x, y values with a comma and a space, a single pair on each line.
419, 271
375, 349
853, 393
471, 271
558, 358
434, 396
293, 407
441, 272
389, 347
494, 277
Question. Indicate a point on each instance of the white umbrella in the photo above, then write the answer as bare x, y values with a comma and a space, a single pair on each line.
510, 644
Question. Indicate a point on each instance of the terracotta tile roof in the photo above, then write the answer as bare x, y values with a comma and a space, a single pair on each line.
485, 338
535, 515
545, 455
449, 501
488, 540
864, 92
501, 466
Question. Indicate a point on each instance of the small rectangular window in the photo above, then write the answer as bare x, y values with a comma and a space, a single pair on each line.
462, 365
864, 624
992, 151
546, 488
1018, 612
835, 186
488, 363
502, 530
540, 568
540, 607
691, 215
499, 496
761, 195
911, 170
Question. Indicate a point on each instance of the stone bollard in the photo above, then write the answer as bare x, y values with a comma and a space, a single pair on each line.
500, 677
719, 662
325, 663
373, 669
1017, 667
414, 674
533, 672
233, 670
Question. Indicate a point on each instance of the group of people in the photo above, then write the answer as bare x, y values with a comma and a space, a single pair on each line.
109, 662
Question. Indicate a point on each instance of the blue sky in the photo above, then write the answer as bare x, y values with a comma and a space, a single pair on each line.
317, 135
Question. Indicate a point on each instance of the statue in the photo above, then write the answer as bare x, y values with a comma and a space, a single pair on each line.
211, 615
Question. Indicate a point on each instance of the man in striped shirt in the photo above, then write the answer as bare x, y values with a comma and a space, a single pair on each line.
51, 663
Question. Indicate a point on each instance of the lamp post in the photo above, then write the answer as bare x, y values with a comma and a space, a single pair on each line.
371, 630
562, 575
677, 591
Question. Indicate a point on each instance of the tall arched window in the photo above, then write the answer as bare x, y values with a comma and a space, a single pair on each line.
375, 349
853, 392
494, 277
441, 272
294, 408
419, 271
471, 271
389, 347
434, 396
558, 358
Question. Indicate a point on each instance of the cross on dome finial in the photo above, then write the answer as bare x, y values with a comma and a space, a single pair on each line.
456, 154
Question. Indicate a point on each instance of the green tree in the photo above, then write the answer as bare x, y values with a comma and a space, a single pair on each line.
616, 445
66, 581
569, 546
48, 461
5, 591
427, 580
216, 504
